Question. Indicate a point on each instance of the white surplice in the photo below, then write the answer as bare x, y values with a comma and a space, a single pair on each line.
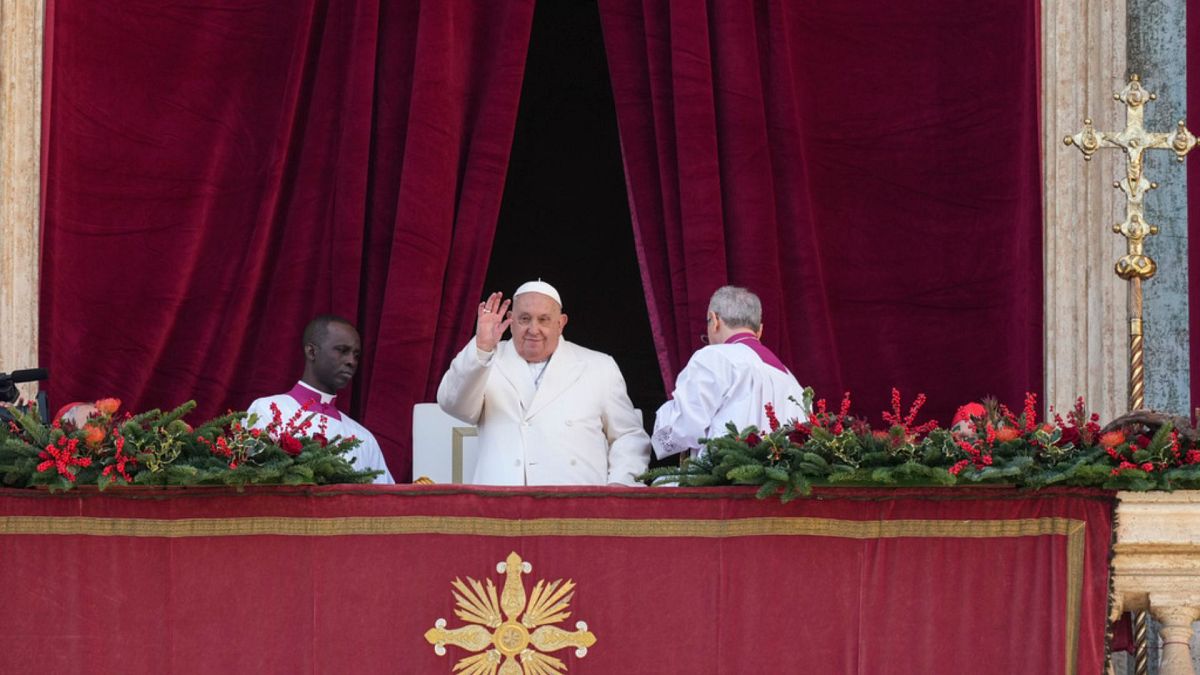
721, 384
367, 455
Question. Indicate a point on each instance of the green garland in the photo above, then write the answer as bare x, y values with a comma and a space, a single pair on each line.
998, 448
160, 448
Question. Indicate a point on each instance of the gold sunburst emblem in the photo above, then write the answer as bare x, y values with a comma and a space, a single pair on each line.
505, 639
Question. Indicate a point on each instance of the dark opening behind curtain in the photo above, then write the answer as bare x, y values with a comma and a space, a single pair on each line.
216, 174
870, 169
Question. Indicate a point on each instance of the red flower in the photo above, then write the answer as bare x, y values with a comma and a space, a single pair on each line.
290, 444
752, 439
220, 447
1070, 435
93, 435
1142, 441
61, 457
977, 456
1007, 434
121, 460
771, 418
1030, 412
1112, 439
800, 434
108, 406
894, 417
320, 438
1124, 465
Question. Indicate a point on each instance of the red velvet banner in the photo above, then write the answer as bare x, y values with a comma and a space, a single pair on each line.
362, 579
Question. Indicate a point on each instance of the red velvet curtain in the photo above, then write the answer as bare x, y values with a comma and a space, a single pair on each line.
870, 169
217, 174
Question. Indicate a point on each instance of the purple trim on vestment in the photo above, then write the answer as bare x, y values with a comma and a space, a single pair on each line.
304, 395
759, 348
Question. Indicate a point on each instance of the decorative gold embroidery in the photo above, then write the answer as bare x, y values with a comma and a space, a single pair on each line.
534, 527
478, 605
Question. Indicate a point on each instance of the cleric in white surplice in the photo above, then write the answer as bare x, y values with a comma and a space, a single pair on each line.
331, 352
549, 412
730, 380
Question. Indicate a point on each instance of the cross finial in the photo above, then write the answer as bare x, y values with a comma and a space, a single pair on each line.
1135, 266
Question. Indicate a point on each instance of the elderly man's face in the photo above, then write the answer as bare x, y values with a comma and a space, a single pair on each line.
537, 325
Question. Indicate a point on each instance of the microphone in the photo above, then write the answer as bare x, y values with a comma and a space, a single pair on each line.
27, 375
8, 382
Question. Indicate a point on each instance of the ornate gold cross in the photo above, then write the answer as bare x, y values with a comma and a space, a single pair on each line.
1135, 266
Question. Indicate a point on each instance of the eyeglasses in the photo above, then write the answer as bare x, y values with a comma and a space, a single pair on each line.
708, 318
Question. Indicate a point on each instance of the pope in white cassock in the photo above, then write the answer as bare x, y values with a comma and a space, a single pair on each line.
331, 352
730, 380
549, 412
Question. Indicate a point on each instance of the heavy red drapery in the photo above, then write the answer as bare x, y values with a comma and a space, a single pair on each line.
350, 578
871, 170
217, 174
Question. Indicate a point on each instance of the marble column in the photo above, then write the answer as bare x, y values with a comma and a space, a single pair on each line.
1157, 52
1083, 63
1156, 567
1176, 632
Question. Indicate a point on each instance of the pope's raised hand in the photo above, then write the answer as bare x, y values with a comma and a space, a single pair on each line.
491, 322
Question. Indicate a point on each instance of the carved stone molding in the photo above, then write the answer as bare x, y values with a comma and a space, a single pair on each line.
1156, 567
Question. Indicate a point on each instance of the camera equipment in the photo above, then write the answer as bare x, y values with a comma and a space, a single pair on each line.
9, 394
8, 382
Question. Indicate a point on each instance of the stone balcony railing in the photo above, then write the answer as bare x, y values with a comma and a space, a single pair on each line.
1156, 567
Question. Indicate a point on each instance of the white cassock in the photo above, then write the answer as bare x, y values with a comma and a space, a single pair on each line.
574, 425
367, 455
722, 384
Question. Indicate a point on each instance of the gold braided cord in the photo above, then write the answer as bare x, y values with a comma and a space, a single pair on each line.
1141, 658
1137, 372
536, 527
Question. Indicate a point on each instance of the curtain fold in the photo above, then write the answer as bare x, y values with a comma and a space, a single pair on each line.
216, 175
872, 172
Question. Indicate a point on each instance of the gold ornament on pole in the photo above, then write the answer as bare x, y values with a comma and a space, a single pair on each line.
1135, 266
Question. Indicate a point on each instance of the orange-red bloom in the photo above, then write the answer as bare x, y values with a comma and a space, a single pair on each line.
1006, 434
108, 406
1112, 439
94, 435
